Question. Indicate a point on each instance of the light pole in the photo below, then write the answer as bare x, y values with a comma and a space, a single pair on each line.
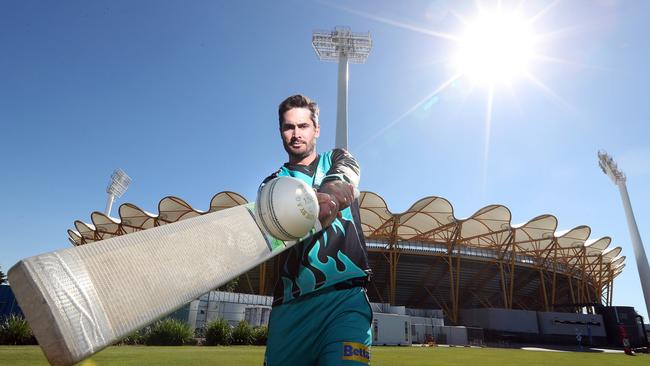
610, 168
116, 187
342, 46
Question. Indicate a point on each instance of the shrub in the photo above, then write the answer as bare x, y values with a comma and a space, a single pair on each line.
168, 332
15, 330
217, 332
3, 278
260, 335
242, 333
136, 338
230, 286
199, 332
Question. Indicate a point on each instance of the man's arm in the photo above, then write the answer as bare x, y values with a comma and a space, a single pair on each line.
336, 192
344, 168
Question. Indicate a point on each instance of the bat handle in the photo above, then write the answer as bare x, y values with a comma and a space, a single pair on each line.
356, 193
318, 227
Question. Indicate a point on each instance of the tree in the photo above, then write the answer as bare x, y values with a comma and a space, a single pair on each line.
3, 278
230, 286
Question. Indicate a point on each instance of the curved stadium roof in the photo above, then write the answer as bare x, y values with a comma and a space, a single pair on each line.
427, 257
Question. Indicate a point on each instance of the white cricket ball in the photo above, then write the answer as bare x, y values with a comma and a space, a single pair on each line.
286, 208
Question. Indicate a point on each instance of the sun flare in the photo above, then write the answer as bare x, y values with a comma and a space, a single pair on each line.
495, 48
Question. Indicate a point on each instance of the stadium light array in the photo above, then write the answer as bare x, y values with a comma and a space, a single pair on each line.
116, 187
343, 46
610, 168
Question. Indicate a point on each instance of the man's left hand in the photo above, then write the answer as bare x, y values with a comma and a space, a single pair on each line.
327, 209
342, 192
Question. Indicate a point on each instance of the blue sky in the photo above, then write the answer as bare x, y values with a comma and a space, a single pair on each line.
183, 97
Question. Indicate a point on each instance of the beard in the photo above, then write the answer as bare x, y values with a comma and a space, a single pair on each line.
297, 155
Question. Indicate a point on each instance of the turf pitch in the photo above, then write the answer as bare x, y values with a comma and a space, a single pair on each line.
382, 356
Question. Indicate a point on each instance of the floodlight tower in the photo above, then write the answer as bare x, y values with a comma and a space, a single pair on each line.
342, 46
118, 185
610, 168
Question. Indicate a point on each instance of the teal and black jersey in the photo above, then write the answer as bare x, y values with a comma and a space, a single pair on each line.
333, 255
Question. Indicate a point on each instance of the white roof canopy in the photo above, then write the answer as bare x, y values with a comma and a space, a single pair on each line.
430, 220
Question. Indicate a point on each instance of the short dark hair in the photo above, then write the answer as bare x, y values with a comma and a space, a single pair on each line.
298, 101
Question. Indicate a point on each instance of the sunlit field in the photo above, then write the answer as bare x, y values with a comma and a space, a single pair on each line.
387, 356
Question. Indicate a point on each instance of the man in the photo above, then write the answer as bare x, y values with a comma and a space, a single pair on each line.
321, 314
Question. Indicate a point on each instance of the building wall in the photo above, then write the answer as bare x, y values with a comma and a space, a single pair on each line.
398, 325
422, 328
8, 304
233, 307
571, 324
505, 320
391, 329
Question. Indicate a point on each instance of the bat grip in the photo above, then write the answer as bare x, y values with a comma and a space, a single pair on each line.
356, 193
318, 227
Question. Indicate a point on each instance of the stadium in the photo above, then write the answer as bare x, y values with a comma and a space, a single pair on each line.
534, 277
426, 258
479, 89
433, 273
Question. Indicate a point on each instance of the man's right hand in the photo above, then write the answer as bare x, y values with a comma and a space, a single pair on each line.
328, 208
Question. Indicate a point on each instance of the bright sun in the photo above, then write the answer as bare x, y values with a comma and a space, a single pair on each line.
496, 48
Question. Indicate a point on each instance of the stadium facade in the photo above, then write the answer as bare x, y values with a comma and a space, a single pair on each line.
427, 258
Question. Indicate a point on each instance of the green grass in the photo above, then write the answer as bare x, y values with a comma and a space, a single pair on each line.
381, 356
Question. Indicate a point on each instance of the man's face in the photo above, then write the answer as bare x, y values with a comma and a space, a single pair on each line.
299, 133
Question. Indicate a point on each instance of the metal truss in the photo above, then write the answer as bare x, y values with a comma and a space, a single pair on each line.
425, 257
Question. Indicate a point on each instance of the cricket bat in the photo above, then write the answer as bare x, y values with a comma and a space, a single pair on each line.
79, 300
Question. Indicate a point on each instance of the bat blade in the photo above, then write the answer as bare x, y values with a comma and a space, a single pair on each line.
82, 299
